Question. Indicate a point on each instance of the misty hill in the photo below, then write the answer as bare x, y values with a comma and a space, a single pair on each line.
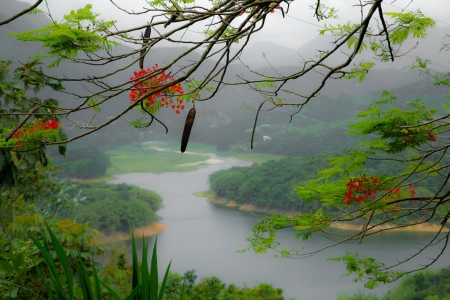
220, 121
278, 55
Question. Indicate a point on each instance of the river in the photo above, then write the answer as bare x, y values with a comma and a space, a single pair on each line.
205, 236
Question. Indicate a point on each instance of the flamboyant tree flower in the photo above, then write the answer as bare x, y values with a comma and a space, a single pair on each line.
146, 81
34, 130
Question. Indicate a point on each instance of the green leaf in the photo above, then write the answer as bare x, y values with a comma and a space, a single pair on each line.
111, 291
35, 11
19, 260
63, 260
135, 278
163, 284
154, 273
51, 265
96, 283
6, 267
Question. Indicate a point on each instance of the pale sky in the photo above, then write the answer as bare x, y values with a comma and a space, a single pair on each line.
289, 32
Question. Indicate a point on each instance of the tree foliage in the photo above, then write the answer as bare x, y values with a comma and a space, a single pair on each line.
269, 185
111, 208
22, 264
424, 285
82, 161
414, 142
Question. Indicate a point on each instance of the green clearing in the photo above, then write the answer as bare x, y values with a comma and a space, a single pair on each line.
175, 146
129, 159
253, 157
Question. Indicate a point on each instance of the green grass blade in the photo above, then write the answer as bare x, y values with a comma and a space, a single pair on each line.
183, 288
154, 273
135, 278
50, 294
63, 260
110, 290
82, 282
163, 284
145, 294
134, 292
96, 283
51, 265
47, 286
87, 281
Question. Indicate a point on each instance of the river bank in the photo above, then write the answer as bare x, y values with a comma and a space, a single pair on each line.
210, 197
145, 231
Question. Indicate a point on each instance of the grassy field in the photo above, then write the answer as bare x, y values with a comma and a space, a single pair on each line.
253, 157
175, 146
128, 159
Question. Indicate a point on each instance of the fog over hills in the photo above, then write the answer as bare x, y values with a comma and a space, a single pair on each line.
277, 55
226, 106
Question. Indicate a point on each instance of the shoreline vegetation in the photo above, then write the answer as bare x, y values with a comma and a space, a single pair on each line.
210, 197
144, 231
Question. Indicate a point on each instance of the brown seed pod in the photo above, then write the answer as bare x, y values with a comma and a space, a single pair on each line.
145, 40
172, 18
187, 129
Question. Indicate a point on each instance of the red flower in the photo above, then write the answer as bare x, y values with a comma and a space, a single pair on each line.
432, 138
361, 189
147, 81
33, 128
412, 190
53, 123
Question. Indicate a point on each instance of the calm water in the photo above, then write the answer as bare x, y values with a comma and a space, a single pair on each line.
205, 237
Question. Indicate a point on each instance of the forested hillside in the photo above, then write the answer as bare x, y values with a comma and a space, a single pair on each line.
269, 185
425, 285
111, 208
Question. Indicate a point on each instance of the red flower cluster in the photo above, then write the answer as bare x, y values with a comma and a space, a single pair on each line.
35, 127
361, 189
398, 193
169, 103
413, 192
145, 82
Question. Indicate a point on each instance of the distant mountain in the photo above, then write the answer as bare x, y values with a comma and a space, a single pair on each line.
280, 56
225, 108
257, 55
428, 48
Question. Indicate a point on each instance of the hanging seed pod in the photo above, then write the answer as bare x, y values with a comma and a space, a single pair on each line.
172, 18
187, 129
145, 40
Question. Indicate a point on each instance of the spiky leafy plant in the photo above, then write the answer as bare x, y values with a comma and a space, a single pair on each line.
83, 285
